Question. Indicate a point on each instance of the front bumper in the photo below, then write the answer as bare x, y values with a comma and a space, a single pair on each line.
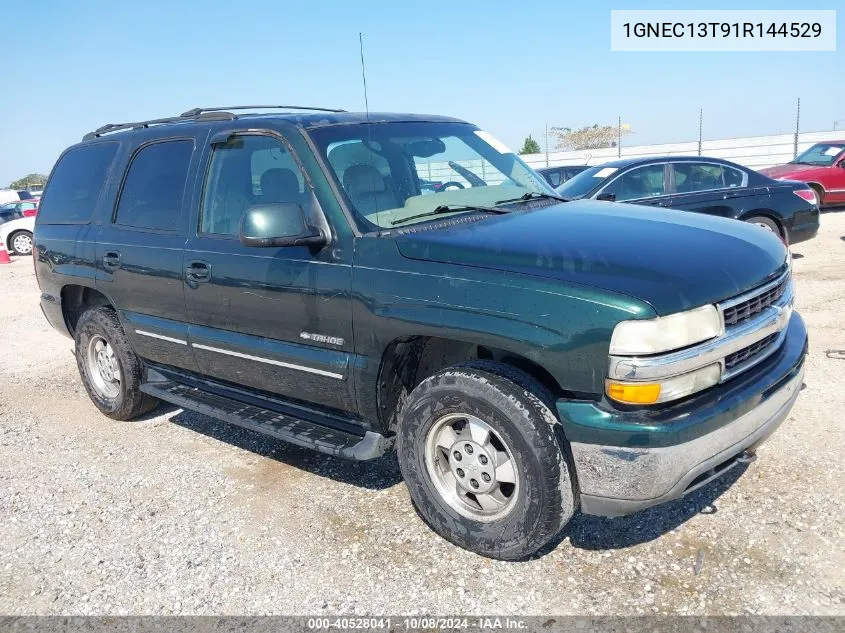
628, 461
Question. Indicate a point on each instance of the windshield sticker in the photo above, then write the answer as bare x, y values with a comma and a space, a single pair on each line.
493, 142
832, 151
604, 173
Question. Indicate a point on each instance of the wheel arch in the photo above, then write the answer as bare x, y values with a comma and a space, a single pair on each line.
819, 189
409, 360
76, 299
766, 213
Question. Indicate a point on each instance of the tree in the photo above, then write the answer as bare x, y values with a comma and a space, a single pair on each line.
590, 137
29, 180
530, 146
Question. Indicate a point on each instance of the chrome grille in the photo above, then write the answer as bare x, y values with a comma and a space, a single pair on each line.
748, 353
744, 310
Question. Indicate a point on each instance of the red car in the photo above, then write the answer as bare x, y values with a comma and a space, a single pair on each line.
27, 208
822, 167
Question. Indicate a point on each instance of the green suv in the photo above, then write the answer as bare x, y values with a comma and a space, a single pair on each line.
287, 272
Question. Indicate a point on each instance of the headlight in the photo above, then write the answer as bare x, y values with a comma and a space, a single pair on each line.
653, 336
664, 390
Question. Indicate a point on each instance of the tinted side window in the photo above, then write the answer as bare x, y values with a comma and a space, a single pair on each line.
151, 197
553, 177
733, 177
691, 177
246, 171
641, 182
72, 193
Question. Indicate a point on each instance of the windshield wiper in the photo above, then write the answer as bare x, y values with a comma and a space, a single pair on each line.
448, 208
531, 195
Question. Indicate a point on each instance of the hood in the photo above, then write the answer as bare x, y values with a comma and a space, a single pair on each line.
788, 171
673, 260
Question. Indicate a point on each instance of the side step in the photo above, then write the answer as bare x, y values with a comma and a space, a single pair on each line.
284, 427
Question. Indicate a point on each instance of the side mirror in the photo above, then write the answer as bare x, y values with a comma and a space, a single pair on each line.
281, 224
607, 197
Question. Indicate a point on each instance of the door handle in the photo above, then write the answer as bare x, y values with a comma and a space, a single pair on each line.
111, 260
197, 272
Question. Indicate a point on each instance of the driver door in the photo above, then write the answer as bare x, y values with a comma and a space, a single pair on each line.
275, 319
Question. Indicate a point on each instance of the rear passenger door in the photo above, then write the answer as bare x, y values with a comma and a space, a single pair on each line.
710, 188
276, 319
141, 246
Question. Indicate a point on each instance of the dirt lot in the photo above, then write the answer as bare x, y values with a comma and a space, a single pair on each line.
177, 513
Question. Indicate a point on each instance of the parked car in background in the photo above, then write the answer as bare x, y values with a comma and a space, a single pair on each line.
703, 185
27, 208
9, 195
524, 355
556, 176
16, 232
822, 167
36, 190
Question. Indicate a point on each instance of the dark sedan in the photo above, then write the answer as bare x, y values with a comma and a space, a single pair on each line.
704, 185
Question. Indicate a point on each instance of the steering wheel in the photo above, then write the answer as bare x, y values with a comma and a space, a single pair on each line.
451, 183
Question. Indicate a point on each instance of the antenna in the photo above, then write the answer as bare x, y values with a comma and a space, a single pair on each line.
364, 76
367, 110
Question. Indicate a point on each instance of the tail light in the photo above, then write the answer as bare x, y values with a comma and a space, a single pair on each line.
30, 213
807, 194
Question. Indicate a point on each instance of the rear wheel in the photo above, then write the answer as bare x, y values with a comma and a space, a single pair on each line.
110, 370
21, 242
764, 222
483, 464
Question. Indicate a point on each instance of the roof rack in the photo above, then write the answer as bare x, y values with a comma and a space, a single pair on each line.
197, 111
114, 127
204, 114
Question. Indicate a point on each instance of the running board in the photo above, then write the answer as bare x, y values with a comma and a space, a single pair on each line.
283, 427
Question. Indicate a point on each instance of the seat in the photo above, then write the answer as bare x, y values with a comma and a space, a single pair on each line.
279, 185
367, 189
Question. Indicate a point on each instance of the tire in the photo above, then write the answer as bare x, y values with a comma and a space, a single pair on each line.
522, 515
20, 243
100, 342
766, 223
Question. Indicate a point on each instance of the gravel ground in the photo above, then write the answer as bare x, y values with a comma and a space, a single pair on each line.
179, 514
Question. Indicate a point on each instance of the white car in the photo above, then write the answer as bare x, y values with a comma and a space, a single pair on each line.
16, 235
8, 195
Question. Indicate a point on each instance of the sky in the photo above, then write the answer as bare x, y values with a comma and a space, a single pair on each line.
512, 68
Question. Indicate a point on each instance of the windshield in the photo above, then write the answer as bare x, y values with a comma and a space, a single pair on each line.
581, 184
390, 172
822, 154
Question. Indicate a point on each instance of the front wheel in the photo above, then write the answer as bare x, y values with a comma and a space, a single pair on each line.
483, 464
21, 242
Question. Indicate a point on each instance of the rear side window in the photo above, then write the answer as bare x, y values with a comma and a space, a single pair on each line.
733, 177
75, 186
151, 197
690, 177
